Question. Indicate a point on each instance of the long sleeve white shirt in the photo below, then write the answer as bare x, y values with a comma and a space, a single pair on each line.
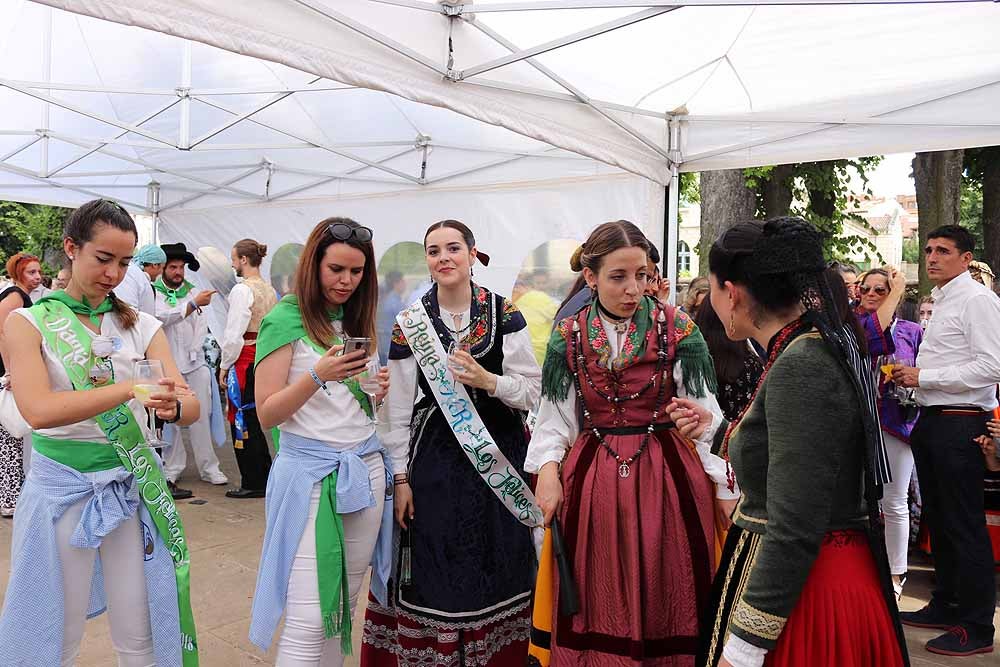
558, 427
186, 334
959, 359
136, 290
240, 305
519, 386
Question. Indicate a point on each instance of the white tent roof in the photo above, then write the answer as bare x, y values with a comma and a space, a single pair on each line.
176, 106
638, 85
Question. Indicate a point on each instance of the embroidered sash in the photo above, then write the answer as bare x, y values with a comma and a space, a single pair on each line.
68, 339
464, 420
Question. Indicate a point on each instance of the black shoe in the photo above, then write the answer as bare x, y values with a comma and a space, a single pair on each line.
932, 616
179, 493
244, 493
958, 642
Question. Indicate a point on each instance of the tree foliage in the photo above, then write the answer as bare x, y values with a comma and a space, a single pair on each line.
821, 193
33, 228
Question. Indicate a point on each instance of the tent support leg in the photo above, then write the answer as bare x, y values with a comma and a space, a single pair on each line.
153, 204
671, 230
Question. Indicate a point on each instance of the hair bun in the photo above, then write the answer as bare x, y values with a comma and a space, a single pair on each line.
262, 250
576, 261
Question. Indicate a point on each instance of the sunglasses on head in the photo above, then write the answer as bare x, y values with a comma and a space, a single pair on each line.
344, 232
881, 291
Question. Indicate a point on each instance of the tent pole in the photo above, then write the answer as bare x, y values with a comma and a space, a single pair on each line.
670, 231
47, 73
153, 204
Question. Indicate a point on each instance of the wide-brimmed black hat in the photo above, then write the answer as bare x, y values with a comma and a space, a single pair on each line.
178, 251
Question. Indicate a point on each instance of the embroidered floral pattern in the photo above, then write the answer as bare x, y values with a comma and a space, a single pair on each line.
397, 336
600, 343
683, 324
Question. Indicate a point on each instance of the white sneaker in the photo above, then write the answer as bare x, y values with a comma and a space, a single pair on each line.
217, 479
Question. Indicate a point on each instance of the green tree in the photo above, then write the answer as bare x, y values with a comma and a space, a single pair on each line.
821, 193
981, 187
33, 228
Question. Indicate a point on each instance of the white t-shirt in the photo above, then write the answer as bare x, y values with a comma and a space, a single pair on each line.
337, 419
133, 348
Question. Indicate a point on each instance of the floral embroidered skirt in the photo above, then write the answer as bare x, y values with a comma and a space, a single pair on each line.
841, 619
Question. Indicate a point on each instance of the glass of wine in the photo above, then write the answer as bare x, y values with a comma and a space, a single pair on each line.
370, 384
453, 348
146, 375
905, 395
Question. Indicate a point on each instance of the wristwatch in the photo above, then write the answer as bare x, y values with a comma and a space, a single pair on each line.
177, 415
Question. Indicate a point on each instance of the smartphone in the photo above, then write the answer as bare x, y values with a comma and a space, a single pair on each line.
355, 344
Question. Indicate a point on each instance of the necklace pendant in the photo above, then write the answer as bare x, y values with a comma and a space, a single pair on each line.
623, 470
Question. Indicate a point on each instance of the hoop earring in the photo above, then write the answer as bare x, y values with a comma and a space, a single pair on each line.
732, 324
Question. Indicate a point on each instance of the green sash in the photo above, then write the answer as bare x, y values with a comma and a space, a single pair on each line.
172, 295
68, 339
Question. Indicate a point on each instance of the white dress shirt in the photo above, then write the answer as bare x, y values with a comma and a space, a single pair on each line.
136, 290
186, 335
959, 359
558, 427
519, 386
240, 305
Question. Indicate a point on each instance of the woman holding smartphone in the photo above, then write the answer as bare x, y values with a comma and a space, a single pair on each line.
466, 563
327, 513
95, 494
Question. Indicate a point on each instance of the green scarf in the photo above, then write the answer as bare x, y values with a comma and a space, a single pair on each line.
79, 307
172, 295
68, 339
281, 326
697, 368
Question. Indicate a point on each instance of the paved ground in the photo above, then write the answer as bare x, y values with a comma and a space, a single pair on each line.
225, 537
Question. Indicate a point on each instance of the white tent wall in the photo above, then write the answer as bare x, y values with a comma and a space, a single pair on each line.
509, 220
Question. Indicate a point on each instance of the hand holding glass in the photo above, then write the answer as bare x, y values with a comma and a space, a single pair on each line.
453, 348
371, 385
146, 376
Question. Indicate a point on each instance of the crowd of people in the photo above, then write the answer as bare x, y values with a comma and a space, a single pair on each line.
612, 480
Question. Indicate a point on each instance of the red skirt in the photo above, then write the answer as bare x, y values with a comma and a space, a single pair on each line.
643, 553
841, 618
243, 363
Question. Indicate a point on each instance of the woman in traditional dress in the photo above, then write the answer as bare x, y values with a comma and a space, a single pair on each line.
634, 498
327, 513
25, 273
880, 291
804, 578
466, 564
95, 494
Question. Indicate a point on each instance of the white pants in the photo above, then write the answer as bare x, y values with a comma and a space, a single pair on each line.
302, 642
124, 584
894, 506
200, 434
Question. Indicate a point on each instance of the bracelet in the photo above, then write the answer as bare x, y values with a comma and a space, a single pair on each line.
401, 480
322, 385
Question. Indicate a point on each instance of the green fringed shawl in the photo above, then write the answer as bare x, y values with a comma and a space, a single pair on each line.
698, 370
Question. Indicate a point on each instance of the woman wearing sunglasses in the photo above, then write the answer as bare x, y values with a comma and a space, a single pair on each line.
466, 562
327, 513
880, 291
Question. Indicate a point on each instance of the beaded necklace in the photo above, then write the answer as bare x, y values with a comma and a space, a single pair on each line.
780, 343
580, 368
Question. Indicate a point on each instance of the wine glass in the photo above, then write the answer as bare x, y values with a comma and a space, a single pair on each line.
146, 375
905, 395
370, 383
886, 362
453, 348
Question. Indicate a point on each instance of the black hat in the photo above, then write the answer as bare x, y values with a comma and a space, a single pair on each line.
178, 251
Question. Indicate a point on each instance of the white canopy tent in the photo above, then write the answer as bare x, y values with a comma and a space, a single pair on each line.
557, 99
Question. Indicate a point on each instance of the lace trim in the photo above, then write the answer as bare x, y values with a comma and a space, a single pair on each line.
478, 652
468, 625
758, 623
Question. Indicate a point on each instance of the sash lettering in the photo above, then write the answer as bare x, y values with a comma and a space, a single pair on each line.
464, 420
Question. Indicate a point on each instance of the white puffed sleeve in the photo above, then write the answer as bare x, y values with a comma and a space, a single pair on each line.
715, 466
401, 399
521, 383
556, 429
